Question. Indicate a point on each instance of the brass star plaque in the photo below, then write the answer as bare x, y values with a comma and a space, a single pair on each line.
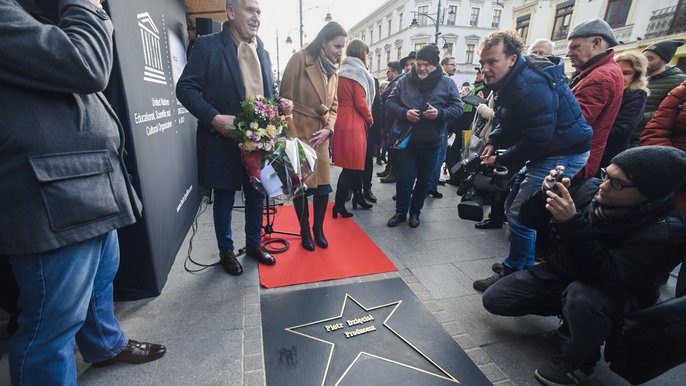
375, 333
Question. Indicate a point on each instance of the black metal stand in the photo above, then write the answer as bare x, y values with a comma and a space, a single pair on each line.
268, 228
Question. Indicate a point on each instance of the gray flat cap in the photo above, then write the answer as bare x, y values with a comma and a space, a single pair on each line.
594, 27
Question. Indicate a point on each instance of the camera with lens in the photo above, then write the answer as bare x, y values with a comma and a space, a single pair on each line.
478, 188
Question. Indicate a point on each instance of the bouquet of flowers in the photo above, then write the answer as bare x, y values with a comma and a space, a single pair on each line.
259, 124
256, 129
277, 166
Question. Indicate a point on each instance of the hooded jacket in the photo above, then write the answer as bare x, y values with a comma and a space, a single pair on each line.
538, 115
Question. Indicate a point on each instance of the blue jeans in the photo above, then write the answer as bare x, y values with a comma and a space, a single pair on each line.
415, 168
433, 183
223, 207
65, 294
522, 238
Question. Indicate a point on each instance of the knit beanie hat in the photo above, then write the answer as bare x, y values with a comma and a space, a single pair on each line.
429, 53
666, 49
656, 171
594, 27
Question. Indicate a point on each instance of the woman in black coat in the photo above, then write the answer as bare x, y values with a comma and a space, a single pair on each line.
634, 67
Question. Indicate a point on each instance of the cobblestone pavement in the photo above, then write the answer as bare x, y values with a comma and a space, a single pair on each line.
211, 321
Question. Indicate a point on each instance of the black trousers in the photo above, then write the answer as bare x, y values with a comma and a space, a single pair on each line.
368, 171
589, 312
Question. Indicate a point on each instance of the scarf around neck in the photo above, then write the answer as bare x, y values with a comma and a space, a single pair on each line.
328, 66
249, 63
427, 84
629, 216
353, 68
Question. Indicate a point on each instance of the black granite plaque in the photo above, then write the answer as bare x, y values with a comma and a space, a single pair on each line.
374, 333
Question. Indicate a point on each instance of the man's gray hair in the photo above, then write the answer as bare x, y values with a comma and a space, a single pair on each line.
539, 41
604, 44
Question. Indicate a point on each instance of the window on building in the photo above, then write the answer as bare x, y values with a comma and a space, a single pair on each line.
378, 62
390, 26
400, 22
617, 12
563, 17
388, 57
474, 18
418, 46
469, 53
447, 49
523, 26
421, 15
371, 35
496, 18
364, 37
379, 31
452, 14
399, 53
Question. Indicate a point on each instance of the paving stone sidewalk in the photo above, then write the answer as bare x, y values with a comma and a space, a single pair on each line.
211, 321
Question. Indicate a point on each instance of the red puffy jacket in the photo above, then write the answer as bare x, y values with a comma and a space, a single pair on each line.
668, 126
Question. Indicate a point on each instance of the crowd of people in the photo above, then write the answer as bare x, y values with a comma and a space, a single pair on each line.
613, 227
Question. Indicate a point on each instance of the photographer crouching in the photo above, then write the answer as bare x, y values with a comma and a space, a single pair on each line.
616, 238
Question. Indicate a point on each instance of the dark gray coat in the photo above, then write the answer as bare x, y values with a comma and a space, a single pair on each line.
212, 84
63, 180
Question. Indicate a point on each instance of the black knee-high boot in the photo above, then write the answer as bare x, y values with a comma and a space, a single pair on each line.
303, 212
320, 203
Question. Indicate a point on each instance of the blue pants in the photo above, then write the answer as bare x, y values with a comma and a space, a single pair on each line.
65, 295
415, 169
223, 208
433, 183
523, 239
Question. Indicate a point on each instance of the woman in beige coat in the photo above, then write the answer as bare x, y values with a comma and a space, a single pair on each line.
311, 82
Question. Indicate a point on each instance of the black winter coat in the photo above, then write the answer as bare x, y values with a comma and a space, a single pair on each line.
212, 84
615, 257
628, 118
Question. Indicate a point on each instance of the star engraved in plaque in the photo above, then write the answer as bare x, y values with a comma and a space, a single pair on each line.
360, 331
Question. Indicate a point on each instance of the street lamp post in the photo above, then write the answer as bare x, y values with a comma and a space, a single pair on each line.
278, 62
436, 21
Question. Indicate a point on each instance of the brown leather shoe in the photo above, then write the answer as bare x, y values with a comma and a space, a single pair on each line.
135, 353
230, 263
260, 254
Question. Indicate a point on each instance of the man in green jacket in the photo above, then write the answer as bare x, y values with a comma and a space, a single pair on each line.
662, 78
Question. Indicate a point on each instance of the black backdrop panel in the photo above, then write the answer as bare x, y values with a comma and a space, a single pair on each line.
150, 42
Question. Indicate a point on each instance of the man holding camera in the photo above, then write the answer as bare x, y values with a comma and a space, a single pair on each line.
426, 101
616, 240
541, 126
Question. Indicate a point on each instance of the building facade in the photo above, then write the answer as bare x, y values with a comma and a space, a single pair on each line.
398, 27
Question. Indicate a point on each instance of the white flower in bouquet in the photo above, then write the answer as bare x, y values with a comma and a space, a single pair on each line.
254, 125
271, 131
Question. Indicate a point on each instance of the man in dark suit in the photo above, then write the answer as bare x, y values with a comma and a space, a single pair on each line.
221, 72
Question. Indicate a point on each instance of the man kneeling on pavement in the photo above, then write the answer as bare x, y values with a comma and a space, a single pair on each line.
616, 239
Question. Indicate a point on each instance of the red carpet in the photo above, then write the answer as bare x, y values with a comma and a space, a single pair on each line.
351, 253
